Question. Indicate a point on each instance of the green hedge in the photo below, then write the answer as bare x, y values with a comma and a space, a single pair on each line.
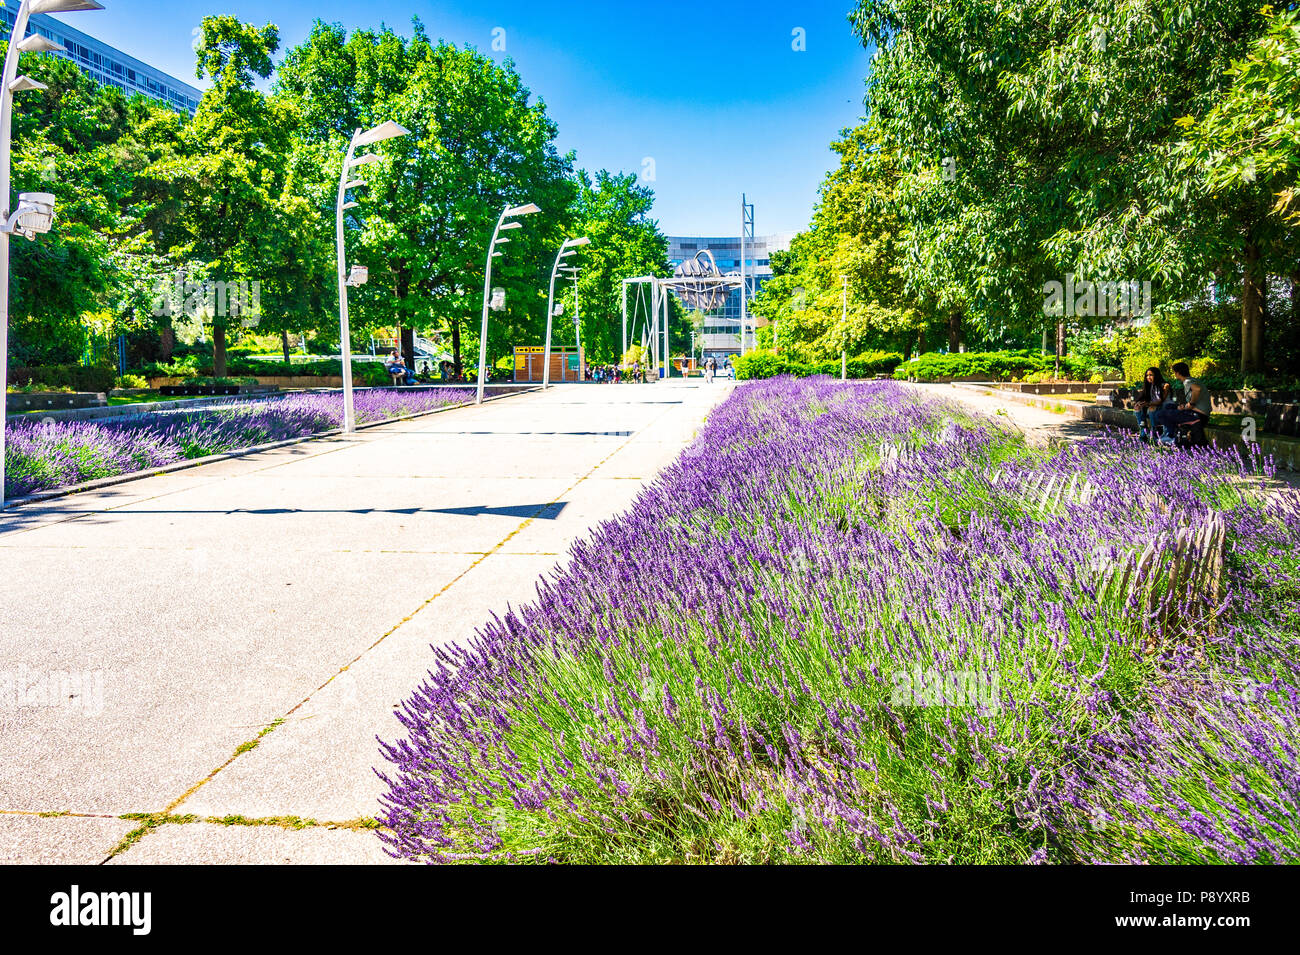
363, 372
76, 377
768, 364
991, 365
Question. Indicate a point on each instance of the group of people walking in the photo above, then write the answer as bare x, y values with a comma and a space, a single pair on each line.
612, 374
1161, 407
711, 368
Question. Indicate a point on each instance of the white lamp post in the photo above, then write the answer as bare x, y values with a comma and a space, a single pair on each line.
35, 212
844, 328
509, 212
359, 273
566, 249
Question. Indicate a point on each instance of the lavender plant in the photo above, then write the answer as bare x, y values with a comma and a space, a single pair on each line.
43, 455
855, 624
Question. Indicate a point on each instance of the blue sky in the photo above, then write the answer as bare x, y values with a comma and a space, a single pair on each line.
711, 90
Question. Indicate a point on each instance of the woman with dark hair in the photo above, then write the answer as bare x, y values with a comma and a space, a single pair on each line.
1151, 397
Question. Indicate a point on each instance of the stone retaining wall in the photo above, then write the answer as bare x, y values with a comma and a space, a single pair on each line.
19, 402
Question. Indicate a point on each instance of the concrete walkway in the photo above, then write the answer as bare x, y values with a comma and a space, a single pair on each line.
213, 652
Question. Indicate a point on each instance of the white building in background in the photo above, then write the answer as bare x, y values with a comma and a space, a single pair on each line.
106, 65
722, 327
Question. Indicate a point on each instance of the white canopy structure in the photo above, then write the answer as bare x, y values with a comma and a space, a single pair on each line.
697, 282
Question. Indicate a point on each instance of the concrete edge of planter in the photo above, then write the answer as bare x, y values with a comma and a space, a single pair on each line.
101, 483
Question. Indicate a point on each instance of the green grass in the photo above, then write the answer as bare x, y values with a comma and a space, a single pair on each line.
153, 398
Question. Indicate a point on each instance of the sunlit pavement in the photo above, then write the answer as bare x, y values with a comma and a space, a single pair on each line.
153, 631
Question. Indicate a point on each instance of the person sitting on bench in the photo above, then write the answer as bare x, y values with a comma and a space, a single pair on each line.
396, 367
1154, 395
1193, 413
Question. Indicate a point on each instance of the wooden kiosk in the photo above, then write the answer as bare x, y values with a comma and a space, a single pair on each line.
566, 363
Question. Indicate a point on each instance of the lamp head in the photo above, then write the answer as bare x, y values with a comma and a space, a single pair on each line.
63, 6
388, 130
34, 215
525, 210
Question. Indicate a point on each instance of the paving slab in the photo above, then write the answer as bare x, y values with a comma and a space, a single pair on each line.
320, 764
59, 840
213, 844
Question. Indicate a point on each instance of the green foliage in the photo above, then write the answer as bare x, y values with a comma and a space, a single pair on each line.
766, 364
614, 212
72, 377
1036, 140
131, 382
855, 236
988, 366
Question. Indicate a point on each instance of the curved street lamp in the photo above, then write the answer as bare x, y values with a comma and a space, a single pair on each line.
502, 225
35, 212
567, 248
359, 274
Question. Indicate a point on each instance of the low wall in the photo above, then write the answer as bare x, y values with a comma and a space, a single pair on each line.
19, 402
1221, 402
1054, 387
1285, 451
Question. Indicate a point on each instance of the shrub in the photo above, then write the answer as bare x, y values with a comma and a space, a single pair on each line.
185, 366
208, 380
65, 377
995, 366
132, 381
762, 363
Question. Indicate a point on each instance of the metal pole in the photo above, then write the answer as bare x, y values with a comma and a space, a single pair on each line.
844, 317
487, 289
663, 296
577, 332
550, 311
744, 311
345, 332
6, 132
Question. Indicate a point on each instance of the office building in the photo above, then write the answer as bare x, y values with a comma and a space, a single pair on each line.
722, 327
106, 65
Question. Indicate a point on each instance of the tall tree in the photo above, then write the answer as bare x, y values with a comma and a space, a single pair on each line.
232, 176
613, 210
478, 142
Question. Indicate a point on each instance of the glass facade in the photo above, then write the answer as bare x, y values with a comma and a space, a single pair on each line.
107, 66
722, 327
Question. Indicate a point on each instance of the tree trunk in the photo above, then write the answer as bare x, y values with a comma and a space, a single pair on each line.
219, 351
1295, 298
284, 343
166, 343
954, 330
1252, 311
455, 347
